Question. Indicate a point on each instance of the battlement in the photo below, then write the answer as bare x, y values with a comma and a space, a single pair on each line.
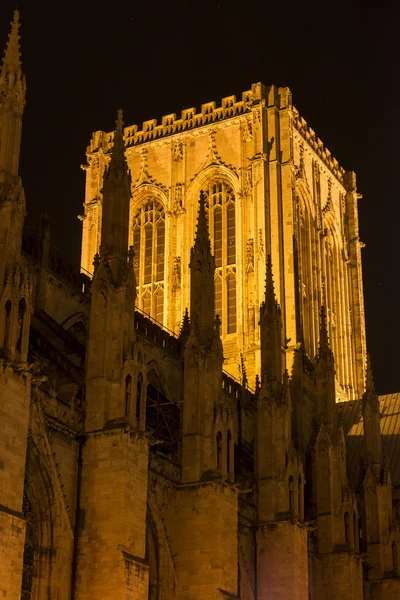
170, 124
212, 113
316, 144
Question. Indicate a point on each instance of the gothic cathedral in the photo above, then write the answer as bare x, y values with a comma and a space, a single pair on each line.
191, 415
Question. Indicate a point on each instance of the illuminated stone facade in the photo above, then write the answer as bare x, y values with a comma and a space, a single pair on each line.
132, 466
272, 188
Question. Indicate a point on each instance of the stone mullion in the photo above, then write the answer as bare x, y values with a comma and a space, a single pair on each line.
313, 284
344, 324
140, 283
343, 320
351, 333
239, 270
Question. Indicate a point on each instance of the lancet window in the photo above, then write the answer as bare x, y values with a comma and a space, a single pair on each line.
346, 527
219, 450
7, 324
291, 493
128, 394
222, 224
149, 261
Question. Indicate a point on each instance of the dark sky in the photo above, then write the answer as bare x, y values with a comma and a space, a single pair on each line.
340, 59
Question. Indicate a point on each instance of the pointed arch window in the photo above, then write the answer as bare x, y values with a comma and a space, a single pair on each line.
7, 324
291, 493
300, 497
228, 452
139, 395
149, 261
128, 394
219, 450
395, 558
20, 324
346, 527
222, 223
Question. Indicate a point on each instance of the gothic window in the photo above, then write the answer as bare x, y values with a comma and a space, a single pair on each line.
291, 493
149, 261
346, 527
20, 323
219, 450
222, 224
228, 452
139, 395
300, 497
395, 558
355, 531
7, 323
128, 394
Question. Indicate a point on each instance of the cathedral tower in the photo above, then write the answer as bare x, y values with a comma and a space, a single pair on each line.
271, 187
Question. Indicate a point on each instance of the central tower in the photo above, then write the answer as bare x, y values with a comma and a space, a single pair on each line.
271, 187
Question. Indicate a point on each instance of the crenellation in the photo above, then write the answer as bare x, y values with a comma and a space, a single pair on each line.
316, 143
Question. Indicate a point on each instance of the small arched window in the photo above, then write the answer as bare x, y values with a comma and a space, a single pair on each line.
128, 394
139, 395
346, 527
219, 450
395, 558
291, 493
228, 452
7, 324
300, 497
355, 531
20, 324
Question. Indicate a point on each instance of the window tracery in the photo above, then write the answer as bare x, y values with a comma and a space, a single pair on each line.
222, 224
149, 262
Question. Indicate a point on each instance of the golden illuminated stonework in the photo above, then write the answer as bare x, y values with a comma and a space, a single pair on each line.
191, 414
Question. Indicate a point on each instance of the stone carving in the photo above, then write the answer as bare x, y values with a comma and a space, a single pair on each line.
178, 151
176, 275
247, 131
250, 255
248, 186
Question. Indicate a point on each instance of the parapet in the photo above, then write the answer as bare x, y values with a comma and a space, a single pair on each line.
191, 119
316, 144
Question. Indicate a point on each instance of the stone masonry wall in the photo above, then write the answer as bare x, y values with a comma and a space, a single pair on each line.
14, 416
113, 528
282, 571
204, 541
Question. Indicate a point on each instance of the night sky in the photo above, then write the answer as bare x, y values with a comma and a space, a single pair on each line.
85, 60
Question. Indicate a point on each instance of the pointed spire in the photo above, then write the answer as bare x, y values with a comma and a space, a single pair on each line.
116, 199
269, 284
202, 288
11, 70
270, 304
369, 383
185, 327
325, 351
118, 166
271, 331
370, 396
202, 238
12, 56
